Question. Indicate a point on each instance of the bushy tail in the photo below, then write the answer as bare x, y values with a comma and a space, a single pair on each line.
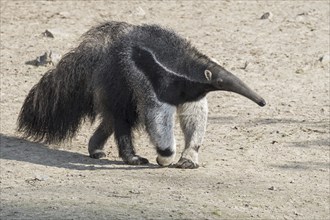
56, 106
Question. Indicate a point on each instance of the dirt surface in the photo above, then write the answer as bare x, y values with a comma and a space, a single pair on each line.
256, 163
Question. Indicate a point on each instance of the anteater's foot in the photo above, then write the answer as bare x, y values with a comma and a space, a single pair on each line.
97, 154
135, 160
185, 163
165, 161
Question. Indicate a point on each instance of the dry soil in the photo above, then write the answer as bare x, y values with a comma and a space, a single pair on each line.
256, 163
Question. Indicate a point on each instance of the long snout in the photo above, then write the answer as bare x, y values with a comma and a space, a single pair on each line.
237, 86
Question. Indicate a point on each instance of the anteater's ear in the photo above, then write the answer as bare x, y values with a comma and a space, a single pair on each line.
208, 74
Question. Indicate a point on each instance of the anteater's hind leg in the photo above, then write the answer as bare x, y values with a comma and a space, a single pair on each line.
123, 136
98, 140
193, 119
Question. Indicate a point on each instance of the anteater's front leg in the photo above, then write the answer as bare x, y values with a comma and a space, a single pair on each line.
193, 119
160, 127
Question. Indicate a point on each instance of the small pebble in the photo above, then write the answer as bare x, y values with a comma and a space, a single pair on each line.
271, 188
134, 191
41, 177
245, 65
302, 14
45, 59
325, 59
47, 33
299, 71
267, 15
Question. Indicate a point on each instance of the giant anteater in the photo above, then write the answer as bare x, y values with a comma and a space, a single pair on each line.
131, 76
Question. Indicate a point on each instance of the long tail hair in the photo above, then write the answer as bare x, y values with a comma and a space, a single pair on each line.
56, 106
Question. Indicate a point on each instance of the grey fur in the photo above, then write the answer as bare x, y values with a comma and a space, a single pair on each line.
132, 77
193, 120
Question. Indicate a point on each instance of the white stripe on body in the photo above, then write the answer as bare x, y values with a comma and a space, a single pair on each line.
165, 68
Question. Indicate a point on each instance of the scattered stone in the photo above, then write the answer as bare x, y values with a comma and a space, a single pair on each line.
302, 14
245, 65
41, 177
45, 59
47, 33
325, 59
271, 188
267, 15
55, 57
134, 191
53, 207
203, 165
42, 60
217, 213
274, 142
63, 14
299, 71
37, 178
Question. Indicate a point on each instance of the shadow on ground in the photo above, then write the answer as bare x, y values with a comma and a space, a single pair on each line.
308, 165
17, 149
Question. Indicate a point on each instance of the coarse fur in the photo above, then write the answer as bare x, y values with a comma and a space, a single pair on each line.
130, 75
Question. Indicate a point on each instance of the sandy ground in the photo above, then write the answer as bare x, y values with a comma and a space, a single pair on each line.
256, 163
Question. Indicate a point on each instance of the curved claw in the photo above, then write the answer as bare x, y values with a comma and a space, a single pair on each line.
185, 163
98, 155
136, 160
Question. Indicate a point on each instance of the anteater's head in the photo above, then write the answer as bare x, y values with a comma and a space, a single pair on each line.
221, 79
